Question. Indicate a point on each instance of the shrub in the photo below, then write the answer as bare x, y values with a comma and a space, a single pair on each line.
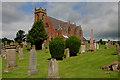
73, 43
57, 48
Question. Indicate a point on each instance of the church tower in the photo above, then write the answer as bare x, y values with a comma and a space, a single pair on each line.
40, 14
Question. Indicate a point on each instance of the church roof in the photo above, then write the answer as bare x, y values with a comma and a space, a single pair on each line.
58, 23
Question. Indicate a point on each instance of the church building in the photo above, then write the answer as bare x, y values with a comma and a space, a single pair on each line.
58, 28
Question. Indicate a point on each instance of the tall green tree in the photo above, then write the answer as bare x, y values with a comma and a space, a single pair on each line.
20, 36
37, 34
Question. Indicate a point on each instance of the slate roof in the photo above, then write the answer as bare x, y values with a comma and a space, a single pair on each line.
58, 23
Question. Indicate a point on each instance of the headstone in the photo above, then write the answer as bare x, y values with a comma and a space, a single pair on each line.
109, 44
92, 47
17, 48
97, 46
21, 52
11, 63
43, 46
33, 62
28, 45
114, 67
117, 48
82, 48
12, 43
5, 42
87, 46
67, 53
53, 69
3, 53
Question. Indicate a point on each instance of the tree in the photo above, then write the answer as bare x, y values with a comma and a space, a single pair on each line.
20, 36
100, 41
37, 34
6, 39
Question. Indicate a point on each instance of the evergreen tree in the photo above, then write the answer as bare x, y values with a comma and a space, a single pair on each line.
37, 34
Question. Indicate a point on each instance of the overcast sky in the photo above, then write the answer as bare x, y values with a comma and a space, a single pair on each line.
101, 16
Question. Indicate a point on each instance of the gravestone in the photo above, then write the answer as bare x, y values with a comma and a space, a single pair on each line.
117, 49
114, 67
109, 44
21, 52
97, 46
28, 45
43, 46
12, 43
3, 53
87, 46
92, 47
5, 42
67, 53
17, 48
11, 63
53, 69
82, 48
33, 62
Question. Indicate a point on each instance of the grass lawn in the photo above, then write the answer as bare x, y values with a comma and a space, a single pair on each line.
87, 65
0, 67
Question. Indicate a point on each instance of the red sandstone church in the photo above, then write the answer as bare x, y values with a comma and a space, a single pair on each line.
55, 27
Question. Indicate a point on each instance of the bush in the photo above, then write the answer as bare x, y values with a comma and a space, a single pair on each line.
57, 48
73, 43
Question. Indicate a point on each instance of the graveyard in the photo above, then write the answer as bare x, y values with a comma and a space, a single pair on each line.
58, 48
86, 65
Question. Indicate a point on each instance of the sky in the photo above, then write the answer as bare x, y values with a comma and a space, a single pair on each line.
101, 16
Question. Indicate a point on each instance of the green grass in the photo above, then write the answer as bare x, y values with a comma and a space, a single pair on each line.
0, 67
87, 65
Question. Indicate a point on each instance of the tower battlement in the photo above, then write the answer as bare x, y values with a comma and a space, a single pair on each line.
40, 10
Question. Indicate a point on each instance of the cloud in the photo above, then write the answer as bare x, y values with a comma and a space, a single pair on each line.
13, 19
102, 17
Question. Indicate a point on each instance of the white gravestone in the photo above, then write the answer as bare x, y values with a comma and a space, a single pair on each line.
53, 69
82, 49
33, 62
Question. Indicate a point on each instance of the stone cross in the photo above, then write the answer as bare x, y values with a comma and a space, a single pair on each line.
11, 63
33, 62
92, 47
67, 53
53, 69
82, 48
